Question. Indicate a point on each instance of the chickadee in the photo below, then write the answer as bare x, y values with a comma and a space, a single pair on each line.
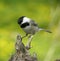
29, 26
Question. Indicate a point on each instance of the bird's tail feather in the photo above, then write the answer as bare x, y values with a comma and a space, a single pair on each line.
40, 29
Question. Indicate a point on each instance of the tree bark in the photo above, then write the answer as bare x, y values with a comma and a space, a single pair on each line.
22, 51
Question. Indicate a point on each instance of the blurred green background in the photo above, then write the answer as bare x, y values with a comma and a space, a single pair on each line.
45, 12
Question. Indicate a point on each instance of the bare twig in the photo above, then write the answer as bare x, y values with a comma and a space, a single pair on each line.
28, 46
22, 53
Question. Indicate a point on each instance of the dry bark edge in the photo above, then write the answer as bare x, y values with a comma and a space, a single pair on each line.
22, 51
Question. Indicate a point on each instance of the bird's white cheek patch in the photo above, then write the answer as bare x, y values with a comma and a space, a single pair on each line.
26, 20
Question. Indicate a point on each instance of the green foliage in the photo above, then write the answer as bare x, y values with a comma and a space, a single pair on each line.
45, 12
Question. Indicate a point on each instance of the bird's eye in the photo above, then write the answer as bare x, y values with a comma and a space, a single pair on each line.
20, 21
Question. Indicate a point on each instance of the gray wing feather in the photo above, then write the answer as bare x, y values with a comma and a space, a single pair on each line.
33, 23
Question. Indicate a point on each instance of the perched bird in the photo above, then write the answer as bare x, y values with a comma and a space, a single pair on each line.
29, 26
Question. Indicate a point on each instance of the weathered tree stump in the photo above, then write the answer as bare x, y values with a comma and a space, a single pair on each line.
22, 51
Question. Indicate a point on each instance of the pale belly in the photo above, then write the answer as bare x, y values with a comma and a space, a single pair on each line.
30, 30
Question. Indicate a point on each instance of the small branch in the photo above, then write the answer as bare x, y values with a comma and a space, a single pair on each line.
28, 46
22, 52
19, 46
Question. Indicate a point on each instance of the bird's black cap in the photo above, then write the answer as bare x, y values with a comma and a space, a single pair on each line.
20, 20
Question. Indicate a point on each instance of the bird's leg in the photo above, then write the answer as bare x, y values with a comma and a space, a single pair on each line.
28, 46
25, 36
